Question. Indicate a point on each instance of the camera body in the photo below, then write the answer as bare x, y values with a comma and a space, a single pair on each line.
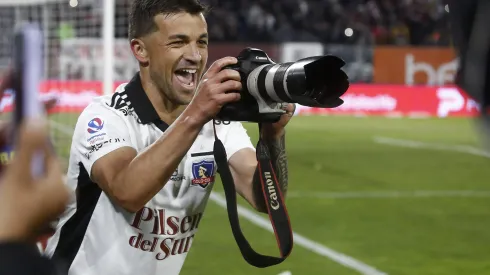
267, 86
251, 107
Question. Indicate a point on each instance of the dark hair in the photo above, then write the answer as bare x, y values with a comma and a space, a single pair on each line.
143, 12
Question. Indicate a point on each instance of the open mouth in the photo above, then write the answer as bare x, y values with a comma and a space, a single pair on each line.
186, 77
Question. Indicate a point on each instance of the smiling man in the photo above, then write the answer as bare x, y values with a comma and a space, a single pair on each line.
141, 160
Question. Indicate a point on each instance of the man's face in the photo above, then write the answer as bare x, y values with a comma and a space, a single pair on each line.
178, 54
202, 172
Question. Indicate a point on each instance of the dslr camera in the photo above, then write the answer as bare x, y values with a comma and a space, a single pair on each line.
316, 81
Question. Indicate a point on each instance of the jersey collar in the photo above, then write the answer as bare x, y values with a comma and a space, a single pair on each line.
141, 103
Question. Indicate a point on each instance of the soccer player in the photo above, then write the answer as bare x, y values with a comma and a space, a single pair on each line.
141, 160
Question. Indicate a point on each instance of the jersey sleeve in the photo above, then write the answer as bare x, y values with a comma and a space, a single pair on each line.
236, 139
98, 132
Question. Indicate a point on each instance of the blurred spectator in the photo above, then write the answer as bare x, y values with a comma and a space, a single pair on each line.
399, 33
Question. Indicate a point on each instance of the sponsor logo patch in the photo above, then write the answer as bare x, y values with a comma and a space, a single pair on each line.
95, 134
95, 125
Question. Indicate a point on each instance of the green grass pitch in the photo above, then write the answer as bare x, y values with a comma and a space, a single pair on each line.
335, 167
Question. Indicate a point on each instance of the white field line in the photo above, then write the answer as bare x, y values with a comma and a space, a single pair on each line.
62, 127
392, 194
300, 240
432, 146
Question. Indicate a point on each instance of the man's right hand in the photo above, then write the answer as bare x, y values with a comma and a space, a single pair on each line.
214, 90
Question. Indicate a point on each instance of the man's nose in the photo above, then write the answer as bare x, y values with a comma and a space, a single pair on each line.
193, 54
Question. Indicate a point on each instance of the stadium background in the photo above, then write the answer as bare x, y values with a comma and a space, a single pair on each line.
392, 182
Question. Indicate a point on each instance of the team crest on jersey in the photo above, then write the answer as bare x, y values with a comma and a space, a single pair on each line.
203, 173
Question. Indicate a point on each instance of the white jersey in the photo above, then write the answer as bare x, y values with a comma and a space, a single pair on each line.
95, 236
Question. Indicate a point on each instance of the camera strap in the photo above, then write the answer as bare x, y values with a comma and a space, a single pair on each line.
276, 207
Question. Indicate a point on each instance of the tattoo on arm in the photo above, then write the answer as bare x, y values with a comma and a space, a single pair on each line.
279, 159
277, 150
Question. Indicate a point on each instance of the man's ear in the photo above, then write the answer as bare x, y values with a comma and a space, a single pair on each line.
139, 50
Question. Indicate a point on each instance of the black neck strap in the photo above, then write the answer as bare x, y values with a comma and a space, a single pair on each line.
276, 207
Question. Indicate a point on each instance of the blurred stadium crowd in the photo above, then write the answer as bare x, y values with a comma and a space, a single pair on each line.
398, 22
416, 22
394, 22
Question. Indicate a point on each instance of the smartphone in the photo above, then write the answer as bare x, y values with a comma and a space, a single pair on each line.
27, 75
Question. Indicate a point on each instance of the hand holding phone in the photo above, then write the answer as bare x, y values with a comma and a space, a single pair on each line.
26, 77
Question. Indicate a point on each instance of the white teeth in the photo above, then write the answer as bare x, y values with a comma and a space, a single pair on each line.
190, 71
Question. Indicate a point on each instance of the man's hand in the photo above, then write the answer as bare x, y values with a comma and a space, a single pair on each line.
213, 90
276, 130
28, 204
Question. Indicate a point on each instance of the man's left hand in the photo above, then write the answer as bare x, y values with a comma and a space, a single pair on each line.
276, 130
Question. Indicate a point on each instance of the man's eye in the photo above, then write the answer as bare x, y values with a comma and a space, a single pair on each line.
177, 43
203, 42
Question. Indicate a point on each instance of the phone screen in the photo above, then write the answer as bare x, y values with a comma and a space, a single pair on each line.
27, 74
